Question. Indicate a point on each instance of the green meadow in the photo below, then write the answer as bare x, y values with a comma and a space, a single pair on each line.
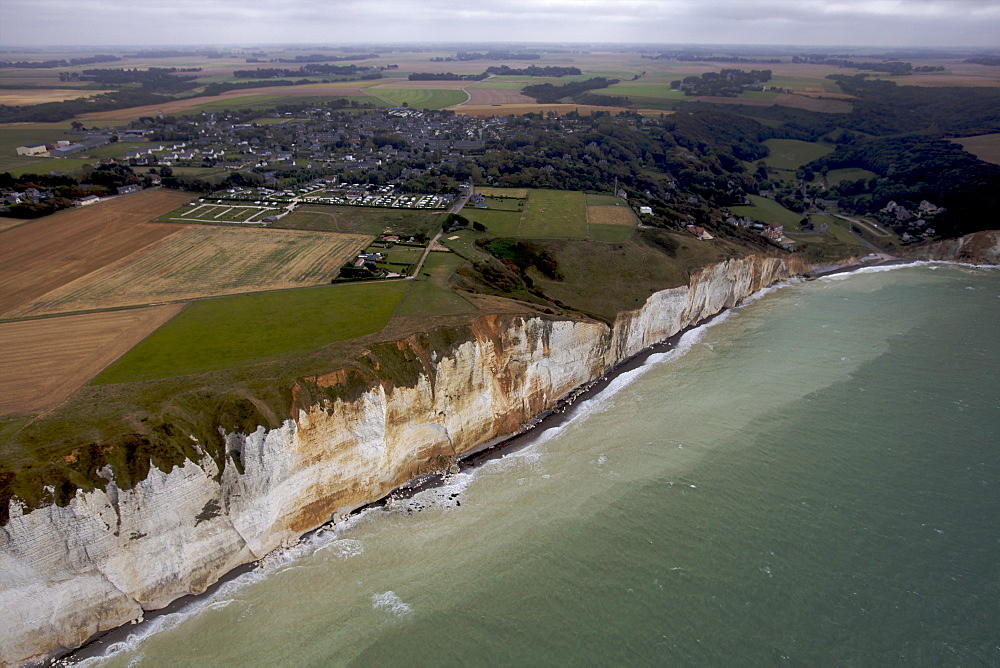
228, 332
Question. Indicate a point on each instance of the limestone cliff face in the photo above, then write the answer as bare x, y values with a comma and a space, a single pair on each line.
977, 248
69, 572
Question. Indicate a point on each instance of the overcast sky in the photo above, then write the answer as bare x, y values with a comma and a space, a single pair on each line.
247, 22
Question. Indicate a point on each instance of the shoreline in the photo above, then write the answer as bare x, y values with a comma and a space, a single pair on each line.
97, 645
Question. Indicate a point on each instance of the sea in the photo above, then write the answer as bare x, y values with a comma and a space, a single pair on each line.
811, 479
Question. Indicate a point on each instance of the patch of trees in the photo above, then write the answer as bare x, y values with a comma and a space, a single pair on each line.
154, 79
983, 60
884, 108
446, 76
38, 64
533, 71
727, 83
60, 191
522, 255
917, 168
51, 112
495, 55
305, 70
694, 58
894, 68
548, 93
178, 53
314, 58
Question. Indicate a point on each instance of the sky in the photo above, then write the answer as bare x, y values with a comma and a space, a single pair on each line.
870, 23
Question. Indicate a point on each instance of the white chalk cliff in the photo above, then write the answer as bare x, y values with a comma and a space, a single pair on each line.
69, 572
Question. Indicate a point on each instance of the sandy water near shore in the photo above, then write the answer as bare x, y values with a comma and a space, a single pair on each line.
778, 491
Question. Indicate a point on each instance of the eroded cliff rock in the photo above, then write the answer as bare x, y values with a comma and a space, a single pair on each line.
109, 554
976, 248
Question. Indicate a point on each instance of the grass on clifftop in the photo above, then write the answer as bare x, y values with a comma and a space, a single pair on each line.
228, 332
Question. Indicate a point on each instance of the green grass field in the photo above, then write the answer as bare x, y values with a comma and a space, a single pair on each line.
71, 166
984, 147
793, 153
499, 223
603, 200
229, 332
430, 294
504, 204
643, 91
836, 176
423, 98
554, 214
767, 211
615, 234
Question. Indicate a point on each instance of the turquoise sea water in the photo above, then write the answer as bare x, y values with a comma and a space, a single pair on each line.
814, 479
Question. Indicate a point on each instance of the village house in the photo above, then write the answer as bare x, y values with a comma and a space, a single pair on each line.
699, 232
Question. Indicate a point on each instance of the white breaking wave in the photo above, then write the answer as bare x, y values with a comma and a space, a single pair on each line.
391, 603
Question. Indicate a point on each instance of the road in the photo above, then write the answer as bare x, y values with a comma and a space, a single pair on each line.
455, 208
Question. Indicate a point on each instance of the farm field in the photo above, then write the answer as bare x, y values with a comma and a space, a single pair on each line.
7, 223
235, 99
17, 98
489, 191
362, 220
504, 223
47, 253
201, 262
233, 331
420, 98
45, 360
483, 95
767, 211
430, 294
611, 215
554, 214
793, 153
984, 147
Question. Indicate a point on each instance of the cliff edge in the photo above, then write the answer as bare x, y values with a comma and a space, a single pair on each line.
75, 569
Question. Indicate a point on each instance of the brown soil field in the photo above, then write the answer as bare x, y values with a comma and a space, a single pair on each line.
17, 98
46, 360
484, 96
7, 223
610, 215
204, 261
485, 111
49, 252
984, 147
356, 89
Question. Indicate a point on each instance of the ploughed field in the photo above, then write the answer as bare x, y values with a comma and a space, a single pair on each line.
50, 252
45, 360
110, 260
205, 261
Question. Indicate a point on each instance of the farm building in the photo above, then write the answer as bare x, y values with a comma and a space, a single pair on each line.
33, 149
699, 232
